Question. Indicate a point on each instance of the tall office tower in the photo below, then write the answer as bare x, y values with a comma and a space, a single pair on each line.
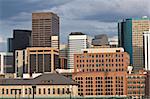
131, 38
36, 60
44, 25
6, 62
9, 45
76, 42
21, 39
147, 50
100, 40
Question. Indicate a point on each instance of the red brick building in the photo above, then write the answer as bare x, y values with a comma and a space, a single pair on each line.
101, 71
136, 85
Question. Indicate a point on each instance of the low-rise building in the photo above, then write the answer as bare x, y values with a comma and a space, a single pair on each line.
147, 84
36, 60
136, 85
48, 85
6, 62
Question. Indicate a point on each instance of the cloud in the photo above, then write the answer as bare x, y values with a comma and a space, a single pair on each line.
2, 40
88, 16
103, 10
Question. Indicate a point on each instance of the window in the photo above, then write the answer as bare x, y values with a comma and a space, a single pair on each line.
49, 91
3, 91
53, 90
29, 90
58, 91
39, 90
20, 91
44, 91
26, 91
6, 91
11, 92
63, 91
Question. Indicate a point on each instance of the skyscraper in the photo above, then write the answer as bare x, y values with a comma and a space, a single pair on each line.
21, 39
44, 25
131, 38
147, 50
76, 42
100, 40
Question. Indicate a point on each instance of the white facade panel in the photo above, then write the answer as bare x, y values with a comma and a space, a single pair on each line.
147, 50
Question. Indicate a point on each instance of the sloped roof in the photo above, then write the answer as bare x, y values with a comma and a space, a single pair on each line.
44, 79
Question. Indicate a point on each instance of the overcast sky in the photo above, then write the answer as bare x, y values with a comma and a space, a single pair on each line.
89, 16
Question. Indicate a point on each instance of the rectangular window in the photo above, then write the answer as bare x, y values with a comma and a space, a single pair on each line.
39, 91
26, 91
53, 90
3, 91
44, 91
49, 91
63, 91
20, 91
58, 91
29, 90
6, 91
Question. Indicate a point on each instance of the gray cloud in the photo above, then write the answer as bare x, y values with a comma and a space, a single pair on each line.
88, 16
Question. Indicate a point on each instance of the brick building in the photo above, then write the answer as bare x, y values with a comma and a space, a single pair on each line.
136, 85
101, 71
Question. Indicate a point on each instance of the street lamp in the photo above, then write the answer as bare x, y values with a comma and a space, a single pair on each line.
69, 92
33, 87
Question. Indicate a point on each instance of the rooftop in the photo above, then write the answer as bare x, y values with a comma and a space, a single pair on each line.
76, 33
44, 79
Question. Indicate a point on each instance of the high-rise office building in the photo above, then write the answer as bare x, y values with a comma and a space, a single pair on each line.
76, 42
9, 45
36, 60
21, 39
44, 25
131, 38
100, 40
147, 50
6, 62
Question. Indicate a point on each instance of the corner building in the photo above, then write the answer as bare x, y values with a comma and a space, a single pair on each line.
101, 72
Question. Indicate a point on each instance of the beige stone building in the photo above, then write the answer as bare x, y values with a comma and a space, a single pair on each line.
36, 60
48, 85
